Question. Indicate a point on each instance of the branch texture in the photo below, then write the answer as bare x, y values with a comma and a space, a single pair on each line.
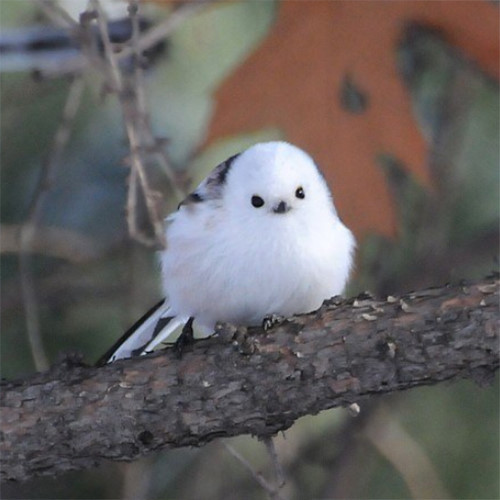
247, 382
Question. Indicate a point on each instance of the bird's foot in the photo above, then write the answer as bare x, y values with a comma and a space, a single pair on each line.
271, 321
185, 338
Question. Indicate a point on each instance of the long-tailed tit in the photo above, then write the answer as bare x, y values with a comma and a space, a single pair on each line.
260, 236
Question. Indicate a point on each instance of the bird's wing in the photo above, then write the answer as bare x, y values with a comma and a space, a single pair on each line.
154, 327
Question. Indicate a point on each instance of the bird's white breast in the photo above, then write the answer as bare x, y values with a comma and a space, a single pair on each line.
220, 269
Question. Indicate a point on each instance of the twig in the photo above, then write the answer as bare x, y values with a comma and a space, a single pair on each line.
57, 14
164, 29
151, 144
129, 114
143, 115
28, 229
269, 488
52, 241
132, 98
68, 285
138, 129
391, 440
278, 469
136, 479
342, 465
139, 86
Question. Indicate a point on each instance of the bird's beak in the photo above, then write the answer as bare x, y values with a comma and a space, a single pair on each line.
281, 208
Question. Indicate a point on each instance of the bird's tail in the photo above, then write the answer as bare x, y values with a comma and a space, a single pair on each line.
154, 327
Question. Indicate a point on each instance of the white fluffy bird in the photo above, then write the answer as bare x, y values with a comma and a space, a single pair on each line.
260, 236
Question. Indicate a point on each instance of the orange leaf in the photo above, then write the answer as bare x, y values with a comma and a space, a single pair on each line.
317, 49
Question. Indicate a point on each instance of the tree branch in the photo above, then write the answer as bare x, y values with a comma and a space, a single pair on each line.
247, 382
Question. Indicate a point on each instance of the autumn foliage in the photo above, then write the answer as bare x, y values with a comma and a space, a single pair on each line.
320, 53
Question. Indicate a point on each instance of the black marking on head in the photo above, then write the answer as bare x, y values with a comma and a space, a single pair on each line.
222, 174
193, 197
212, 187
223, 169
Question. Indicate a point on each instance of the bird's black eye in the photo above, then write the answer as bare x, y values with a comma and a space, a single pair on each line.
299, 193
257, 201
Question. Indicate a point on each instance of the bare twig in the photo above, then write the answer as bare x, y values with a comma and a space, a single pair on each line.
137, 479
130, 90
278, 469
51, 241
28, 229
67, 284
150, 144
131, 96
405, 454
150, 38
57, 14
126, 98
269, 488
139, 86
164, 29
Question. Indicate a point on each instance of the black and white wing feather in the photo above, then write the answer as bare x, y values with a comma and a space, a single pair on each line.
158, 323
142, 337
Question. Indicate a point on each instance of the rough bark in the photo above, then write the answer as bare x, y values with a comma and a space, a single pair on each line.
247, 382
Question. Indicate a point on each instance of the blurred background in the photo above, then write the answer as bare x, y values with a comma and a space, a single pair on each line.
397, 101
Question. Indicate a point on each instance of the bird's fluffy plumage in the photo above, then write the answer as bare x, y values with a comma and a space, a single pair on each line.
232, 258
